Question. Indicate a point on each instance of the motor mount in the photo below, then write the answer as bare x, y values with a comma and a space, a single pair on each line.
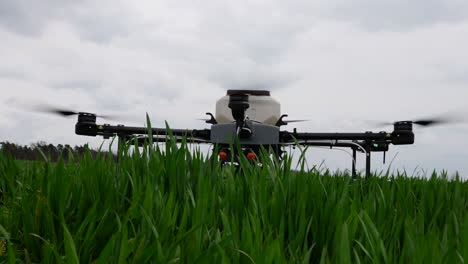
403, 133
86, 124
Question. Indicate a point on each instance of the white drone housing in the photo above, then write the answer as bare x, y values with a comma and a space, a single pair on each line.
263, 108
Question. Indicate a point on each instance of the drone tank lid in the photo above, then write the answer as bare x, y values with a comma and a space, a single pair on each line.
249, 92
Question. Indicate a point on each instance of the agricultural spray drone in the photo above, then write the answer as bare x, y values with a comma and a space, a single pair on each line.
253, 119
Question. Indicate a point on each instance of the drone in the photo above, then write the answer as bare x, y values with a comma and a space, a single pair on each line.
253, 119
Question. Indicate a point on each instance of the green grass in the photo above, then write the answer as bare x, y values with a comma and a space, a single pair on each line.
174, 206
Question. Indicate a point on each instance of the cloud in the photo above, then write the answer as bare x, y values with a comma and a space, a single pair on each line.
400, 15
78, 84
253, 78
99, 22
12, 74
26, 17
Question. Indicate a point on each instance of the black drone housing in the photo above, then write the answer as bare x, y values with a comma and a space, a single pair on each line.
403, 133
239, 103
86, 124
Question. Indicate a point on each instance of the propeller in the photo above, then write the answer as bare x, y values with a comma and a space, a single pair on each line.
295, 121
282, 122
211, 120
66, 112
427, 122
48, 109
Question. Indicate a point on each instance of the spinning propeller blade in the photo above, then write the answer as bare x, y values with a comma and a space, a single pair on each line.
47, 109
427, 122
54, 110
282, 122
434, 121
295, 121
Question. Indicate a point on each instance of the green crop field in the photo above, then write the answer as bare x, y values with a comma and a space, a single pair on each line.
171, 205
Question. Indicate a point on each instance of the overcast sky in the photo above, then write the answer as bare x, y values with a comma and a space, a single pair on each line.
337, 63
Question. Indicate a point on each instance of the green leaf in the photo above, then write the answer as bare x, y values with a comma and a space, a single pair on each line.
70, 249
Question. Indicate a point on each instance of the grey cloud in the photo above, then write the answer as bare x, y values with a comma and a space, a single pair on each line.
265, 79
12, 74
91, 23
159, 86
261, 36
400, 15
79, 84
29, 17
454, 75
100, 25
262, 30
169, 94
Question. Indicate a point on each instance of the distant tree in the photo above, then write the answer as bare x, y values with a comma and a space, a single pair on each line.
53, 153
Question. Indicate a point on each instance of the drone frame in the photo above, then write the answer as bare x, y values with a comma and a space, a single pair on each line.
243, 130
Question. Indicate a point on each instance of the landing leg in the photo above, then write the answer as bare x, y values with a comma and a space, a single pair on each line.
121, 139
353, 168
119, 144
368, 164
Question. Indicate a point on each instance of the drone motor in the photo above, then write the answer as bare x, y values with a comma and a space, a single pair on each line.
86, 124
402, 133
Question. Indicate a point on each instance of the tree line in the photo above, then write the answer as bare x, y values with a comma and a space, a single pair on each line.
52, 152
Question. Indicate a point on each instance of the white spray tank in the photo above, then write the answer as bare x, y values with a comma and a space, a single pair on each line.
263, 108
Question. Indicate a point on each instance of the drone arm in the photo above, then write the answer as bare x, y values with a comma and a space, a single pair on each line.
332, 144
288, 137
92, 129
141, 140
142, 130
203, 134
367, 141
397, 137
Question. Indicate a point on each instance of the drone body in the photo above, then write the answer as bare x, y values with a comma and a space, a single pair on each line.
252, 119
